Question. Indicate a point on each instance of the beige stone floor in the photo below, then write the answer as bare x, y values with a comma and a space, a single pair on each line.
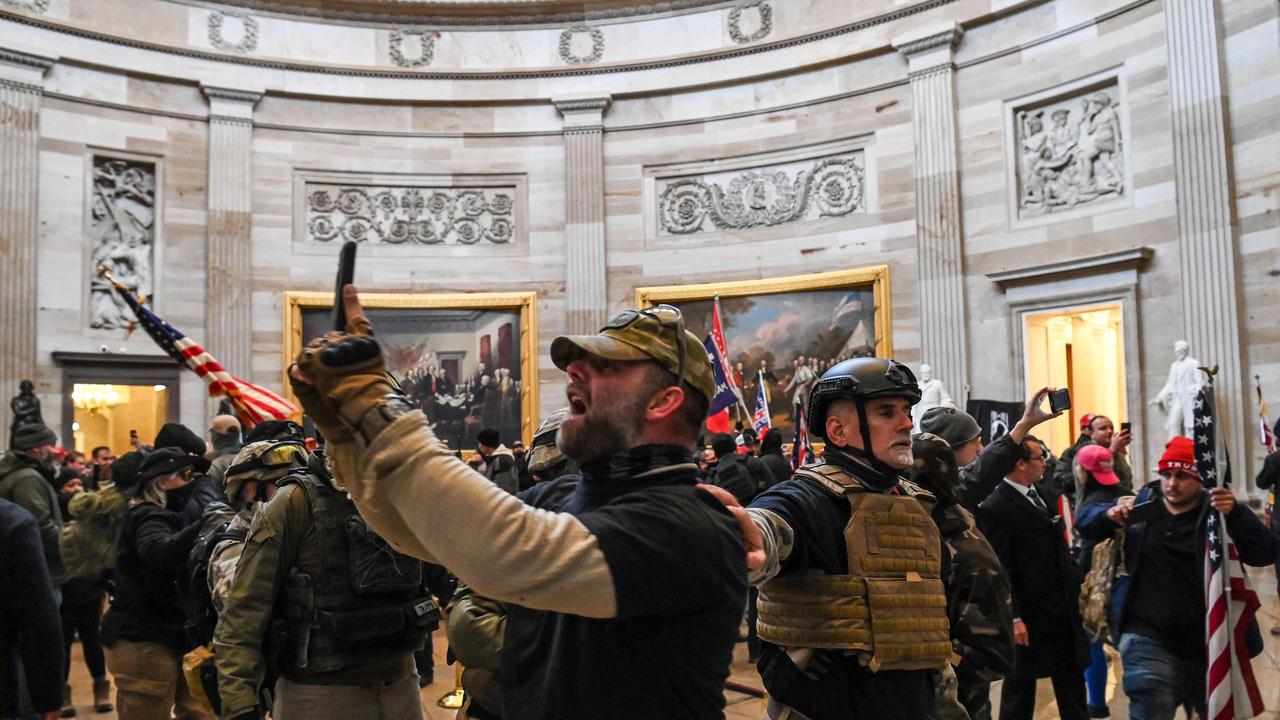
742, 706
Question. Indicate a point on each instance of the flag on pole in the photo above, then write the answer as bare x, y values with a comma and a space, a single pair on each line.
762, 419
724, 397
1265, 436
801, 451
252, 403
717, 337
1231, 601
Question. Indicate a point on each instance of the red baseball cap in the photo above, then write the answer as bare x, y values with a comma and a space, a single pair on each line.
1179, 455
1099, 462
1087, 420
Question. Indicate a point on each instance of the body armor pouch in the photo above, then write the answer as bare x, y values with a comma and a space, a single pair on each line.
890, 609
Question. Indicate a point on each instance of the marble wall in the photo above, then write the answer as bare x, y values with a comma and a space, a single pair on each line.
938, 132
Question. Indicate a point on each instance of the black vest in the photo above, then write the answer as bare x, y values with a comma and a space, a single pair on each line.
368, 601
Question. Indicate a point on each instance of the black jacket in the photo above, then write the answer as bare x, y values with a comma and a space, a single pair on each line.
151, 559
1253, 542
732, 473
779, 467
980, 477
29, 625
1269, 479
1064, 479
1044, 580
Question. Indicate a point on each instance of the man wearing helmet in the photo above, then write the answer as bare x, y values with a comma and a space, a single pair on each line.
852, 608
316, 599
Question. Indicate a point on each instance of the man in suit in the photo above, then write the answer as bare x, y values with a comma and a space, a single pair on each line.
1028, 538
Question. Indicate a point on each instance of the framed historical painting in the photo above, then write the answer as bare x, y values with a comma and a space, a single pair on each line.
785, 332
469, 360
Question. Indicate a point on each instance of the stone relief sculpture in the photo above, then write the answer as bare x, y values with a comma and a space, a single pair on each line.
1070, 153
410, 215
249, 33
122, 229
38, 7
25, 407
762, 197
566, 45
765, 12
427, 40
1177, 398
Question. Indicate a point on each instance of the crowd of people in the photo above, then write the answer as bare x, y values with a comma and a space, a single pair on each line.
609, 569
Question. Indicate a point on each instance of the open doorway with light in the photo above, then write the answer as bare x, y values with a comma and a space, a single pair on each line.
111, 415
1082, 349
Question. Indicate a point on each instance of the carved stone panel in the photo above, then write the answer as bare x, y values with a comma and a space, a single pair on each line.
573, 45
122, 211
402, 54
1069, 150
420, 215
38, 7
764, 196
750, 22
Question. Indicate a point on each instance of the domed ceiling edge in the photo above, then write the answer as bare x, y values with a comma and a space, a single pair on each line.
470, 12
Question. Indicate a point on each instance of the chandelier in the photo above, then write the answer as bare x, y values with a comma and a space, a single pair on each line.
96, 398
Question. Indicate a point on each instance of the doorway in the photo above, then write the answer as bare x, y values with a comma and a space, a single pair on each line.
110, 415
1082, 349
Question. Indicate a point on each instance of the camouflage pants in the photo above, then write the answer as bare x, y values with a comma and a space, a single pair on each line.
946, 704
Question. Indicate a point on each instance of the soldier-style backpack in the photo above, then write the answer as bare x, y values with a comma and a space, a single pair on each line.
1106, 566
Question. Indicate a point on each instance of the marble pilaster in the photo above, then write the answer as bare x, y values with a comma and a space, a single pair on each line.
943, 322
1206, 210
21, 86
228, 330
585, 296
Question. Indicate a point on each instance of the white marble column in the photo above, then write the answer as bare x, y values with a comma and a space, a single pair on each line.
228, 329
939, 234
21, 85
585, 282
1206, 211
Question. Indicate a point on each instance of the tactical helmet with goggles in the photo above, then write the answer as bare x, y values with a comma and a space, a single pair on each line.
544, 453
861, 380
264, 461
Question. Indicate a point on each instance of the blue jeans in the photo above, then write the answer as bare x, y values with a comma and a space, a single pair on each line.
1157, 681
1095, 676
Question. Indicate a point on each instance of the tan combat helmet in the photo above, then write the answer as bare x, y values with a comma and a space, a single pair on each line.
544, 453
262, 461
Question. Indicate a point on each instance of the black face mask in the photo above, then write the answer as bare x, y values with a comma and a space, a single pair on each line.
176, 499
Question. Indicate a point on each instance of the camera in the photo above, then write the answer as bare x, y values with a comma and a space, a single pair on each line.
1060, 400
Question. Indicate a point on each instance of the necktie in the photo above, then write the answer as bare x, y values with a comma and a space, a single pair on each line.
1034, 497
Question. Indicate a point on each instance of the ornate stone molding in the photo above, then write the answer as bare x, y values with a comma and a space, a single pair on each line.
230, 105
410, 215
395, 46
765, 11
248, 41
494, 13
1069, 149
123, 222
38, 7
566, 45
582, 113
23, 71
948, 39
765, 196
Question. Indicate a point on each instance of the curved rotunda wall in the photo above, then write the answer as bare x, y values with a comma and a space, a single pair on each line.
238, 141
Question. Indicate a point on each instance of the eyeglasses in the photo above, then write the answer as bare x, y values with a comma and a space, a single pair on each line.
668, 316
1036, 458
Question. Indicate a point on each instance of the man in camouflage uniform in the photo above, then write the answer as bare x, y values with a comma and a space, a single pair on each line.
979, 605
320, 601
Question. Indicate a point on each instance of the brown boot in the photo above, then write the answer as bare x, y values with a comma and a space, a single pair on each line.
68, 710
102, 695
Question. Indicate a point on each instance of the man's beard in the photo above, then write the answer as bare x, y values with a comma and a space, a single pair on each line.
899, 458
604, 429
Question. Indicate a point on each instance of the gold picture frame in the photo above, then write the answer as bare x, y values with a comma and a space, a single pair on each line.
821, 317
524, 304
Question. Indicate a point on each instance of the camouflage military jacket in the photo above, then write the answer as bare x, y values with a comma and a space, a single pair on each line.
979, 603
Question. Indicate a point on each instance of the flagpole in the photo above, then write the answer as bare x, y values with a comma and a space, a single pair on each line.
724, 356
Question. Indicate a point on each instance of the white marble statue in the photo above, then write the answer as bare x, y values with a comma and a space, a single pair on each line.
932, 394
1178, 396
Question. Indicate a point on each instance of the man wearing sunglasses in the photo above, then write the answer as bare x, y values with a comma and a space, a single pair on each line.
626, 589
852, 612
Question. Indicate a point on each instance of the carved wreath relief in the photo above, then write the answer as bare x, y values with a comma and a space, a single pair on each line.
122, 212
248, 41
566, 45
427, 44
762, 197
1070, 152
410, 215
33, 6
764, 24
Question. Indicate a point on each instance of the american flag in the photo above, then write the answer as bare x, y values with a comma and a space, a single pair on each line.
801, 451
762, 421
253, 404
1231, 602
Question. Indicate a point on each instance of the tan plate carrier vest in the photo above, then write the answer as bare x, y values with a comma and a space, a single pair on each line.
890, 610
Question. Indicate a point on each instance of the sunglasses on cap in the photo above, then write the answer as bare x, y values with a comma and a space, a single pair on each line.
668, 316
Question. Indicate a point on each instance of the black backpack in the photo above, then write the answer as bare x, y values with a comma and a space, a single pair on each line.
202, 618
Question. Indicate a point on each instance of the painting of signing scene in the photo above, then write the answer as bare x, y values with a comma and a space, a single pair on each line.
783, 333
466, 360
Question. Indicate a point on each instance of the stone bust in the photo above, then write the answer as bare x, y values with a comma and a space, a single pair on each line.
932, 394
1178, 396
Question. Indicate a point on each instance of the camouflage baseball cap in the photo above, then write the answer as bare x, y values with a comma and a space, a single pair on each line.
649, 334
